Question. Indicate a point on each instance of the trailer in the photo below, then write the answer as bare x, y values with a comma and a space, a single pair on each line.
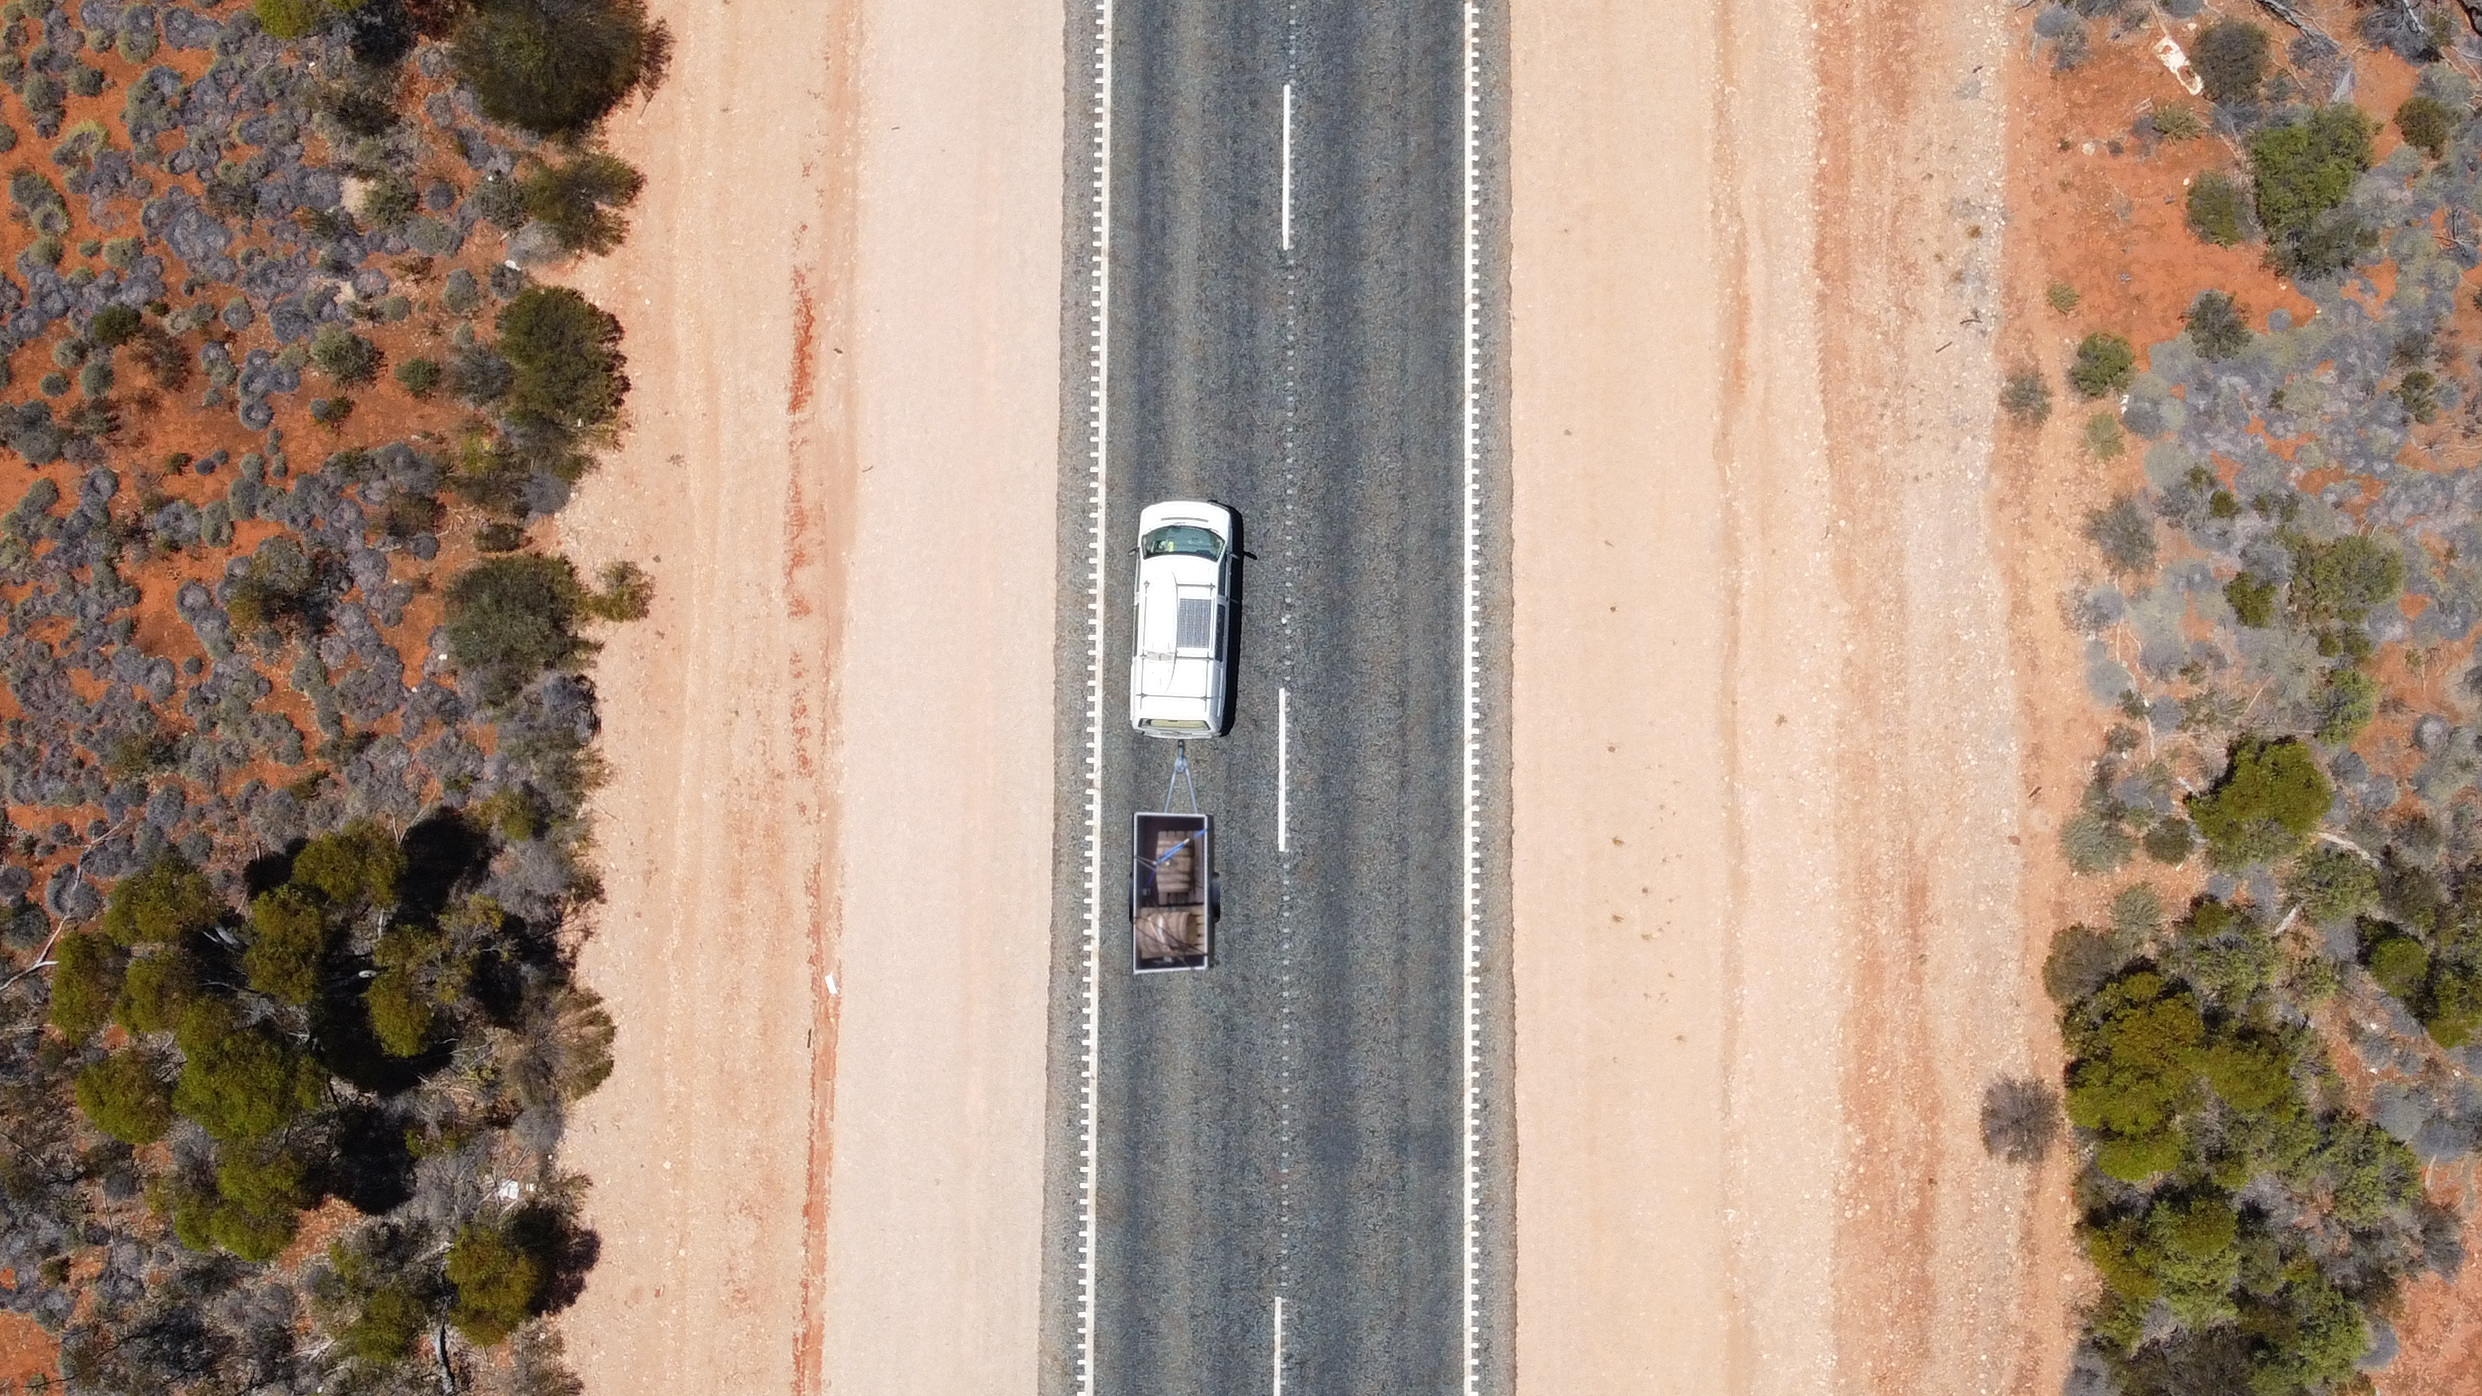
1171, 891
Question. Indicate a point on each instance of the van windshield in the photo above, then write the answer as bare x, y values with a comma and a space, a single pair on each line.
1182, 538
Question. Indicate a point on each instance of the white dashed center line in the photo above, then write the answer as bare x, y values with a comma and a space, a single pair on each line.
1286, 199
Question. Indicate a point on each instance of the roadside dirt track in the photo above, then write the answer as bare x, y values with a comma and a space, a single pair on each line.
1768, 877
817, 1164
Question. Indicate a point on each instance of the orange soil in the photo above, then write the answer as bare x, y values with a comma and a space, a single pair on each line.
26, 1351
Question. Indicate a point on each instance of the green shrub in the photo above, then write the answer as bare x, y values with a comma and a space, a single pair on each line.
401, 1013
2218, 209
280, 589
566, 353
268, 1181
142, 754
2252, 600
2190, 1251
499, 1283
462, 293
2230, 55
345, 356
389, 201
251, 1235
555, 67
288, 940
168, 900
86, 978
357, 865
2062, 296
2399, 964
2337, 583
2418, 391
2331, 884
2026, 398
626, 595
2125, 536
115, 325
2102, 436
2451, 1009
2225, 956
2304, 171
2216, 326
2170, 841
2269, 801
2178, 122
385, 1329
501, 202
2136, 913
2346, 703
580, 201
122, 1096
2094, 843
291, 19
2136, 1043
2105, 363
155, 990
239, 1083
419, 377
2082, 960
2426, 123
581, 1055
511, 618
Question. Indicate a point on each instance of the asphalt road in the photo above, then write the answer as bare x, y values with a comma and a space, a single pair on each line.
1289, 1122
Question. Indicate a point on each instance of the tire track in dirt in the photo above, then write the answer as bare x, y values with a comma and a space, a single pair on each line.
1929, 1263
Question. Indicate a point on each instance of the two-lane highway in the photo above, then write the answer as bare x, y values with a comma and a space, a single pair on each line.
1292, 1123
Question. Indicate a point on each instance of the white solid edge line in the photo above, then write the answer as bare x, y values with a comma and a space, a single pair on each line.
1283, 769
1472, 451
1278, 1362
1287, 198
1100, 339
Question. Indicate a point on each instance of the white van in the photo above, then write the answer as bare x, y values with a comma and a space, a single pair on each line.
1177, 672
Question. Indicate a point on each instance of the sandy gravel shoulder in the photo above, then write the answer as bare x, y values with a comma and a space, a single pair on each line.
817, 1163
1766, 780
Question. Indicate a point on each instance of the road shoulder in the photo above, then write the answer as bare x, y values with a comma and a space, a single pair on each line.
816, 1163
1768, 934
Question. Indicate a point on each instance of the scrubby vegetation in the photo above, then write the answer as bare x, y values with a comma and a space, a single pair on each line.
2216, 326
2303, 172
2273, 1011
2103, 365
2026, 398
2231, 56
2219, 209
300, 738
